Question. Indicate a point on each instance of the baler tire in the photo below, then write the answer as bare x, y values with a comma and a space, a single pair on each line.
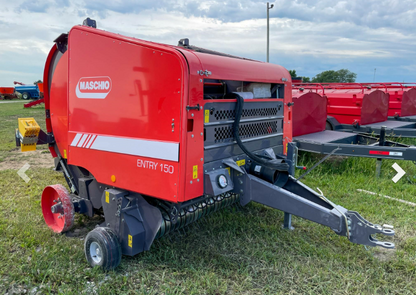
25, 95
109, 255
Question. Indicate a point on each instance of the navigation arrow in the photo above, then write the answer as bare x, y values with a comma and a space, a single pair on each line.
22, 174
400, 172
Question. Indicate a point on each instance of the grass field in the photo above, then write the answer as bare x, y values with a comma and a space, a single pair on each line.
235, 251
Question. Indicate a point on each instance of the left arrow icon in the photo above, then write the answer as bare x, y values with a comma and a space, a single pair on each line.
22, 172
400, 172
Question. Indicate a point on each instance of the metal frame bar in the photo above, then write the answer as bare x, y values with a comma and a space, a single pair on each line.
407, 131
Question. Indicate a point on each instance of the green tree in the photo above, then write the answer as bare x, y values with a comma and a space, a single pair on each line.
340, 76
306, 80
294, 75
37, 82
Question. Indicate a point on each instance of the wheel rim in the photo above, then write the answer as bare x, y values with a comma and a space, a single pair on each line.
96, 252
58, 222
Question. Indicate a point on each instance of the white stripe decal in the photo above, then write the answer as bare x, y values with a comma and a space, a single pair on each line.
86, 140
399, 154
83, 138
138, 147
91, 141
76, 139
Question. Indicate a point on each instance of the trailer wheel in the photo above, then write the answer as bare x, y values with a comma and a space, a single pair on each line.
102, 248
25, 95
57, 208
328, 126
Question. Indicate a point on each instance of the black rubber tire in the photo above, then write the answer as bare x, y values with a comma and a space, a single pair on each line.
328, 126
25, 95
109, 246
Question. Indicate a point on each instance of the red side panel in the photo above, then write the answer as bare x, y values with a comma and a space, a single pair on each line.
125, 105
309, 112
375, 107
193, 174
362, 106
58, 105
408, 106
6, 90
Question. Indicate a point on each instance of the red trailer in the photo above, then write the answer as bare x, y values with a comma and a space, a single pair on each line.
352, 103
359, 107
312, 135
158, 136
7, 93
402, 101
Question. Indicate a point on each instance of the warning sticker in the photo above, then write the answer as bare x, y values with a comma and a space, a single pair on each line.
130, 241
206, 116
386, 153
107, 197
241, 162
195, 172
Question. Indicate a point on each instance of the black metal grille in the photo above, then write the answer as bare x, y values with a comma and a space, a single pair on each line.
225, 133
230, 114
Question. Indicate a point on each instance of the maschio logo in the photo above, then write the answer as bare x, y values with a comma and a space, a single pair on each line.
93, 87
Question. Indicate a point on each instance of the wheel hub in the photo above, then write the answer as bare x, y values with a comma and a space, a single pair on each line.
95, 252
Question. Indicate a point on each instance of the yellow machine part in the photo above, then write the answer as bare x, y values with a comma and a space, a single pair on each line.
28, 134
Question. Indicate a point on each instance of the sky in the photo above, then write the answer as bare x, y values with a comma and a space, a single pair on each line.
367, 37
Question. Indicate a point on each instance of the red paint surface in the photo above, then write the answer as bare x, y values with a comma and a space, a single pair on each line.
52, 195
353, 103
151, 85
379, 153
309, 112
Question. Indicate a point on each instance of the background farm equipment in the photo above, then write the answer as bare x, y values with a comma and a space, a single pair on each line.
7, 93
158, 150
29, 91
310, 134
361, 108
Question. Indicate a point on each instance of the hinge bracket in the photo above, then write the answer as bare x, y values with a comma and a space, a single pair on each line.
196, 108
202, 73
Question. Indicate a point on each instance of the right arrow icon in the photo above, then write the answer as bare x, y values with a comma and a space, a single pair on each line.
400, 172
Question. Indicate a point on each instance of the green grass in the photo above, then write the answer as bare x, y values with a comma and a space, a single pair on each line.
235, 251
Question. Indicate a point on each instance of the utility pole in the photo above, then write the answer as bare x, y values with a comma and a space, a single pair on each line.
374, 78
268, 8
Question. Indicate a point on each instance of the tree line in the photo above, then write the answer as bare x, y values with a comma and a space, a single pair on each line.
340, 76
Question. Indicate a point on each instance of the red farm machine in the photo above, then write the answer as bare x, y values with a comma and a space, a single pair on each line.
7, 93
158, 136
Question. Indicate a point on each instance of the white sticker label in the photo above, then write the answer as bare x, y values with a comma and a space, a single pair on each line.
93, 87
399, 154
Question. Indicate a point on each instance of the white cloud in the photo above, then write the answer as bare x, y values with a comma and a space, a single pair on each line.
309, 36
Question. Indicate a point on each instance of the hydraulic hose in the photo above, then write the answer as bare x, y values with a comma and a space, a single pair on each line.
273, 164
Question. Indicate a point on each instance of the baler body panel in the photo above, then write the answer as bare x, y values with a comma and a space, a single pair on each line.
192, 185
59, 104
127, 131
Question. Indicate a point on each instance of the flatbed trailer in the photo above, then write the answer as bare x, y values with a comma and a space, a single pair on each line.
358, 108
310, 134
